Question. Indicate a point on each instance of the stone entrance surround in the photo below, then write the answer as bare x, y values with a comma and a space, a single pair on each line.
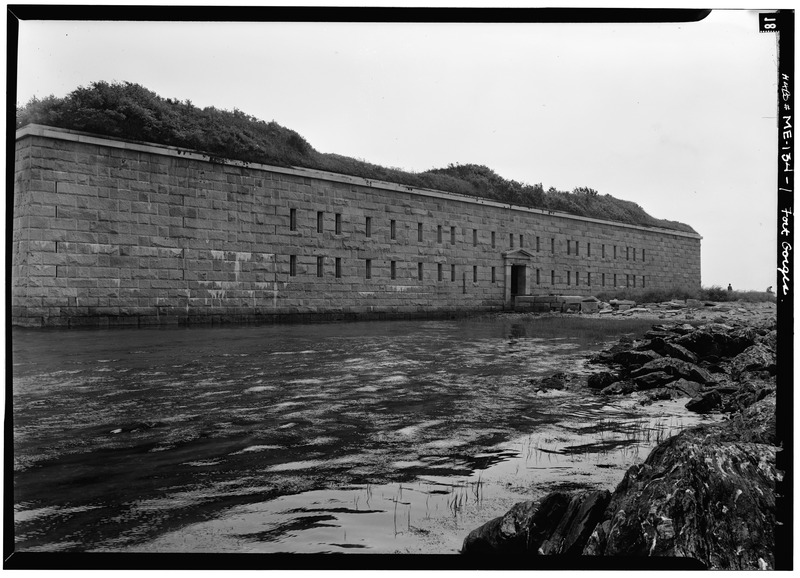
111, 232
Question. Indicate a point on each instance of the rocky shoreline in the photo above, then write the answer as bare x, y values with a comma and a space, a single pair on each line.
705, 495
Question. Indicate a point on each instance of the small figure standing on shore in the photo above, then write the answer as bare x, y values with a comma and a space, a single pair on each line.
769, 290
729, 288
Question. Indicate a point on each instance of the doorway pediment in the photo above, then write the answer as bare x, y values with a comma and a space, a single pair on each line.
518, 254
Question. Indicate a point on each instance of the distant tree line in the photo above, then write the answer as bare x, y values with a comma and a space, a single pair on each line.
132, 112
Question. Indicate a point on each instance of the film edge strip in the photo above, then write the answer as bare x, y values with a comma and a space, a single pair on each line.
781, 22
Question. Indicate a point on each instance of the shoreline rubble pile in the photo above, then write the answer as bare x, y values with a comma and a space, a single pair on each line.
707, 493
689, 309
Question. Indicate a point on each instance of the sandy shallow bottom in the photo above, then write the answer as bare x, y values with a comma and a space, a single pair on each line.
433, 514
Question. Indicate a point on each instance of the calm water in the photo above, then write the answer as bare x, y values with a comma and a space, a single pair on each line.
370, 437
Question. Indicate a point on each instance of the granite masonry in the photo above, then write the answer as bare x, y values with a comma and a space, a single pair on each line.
112, 232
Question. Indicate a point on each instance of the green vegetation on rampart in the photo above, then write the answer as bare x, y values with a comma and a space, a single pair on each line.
130, 111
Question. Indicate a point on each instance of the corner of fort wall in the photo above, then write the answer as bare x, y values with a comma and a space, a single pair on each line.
109, 232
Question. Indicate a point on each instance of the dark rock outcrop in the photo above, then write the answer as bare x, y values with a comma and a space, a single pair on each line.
747, 393
716, 339
521, 530
559, 524
707, 493
503, 535
546, 519
731, 362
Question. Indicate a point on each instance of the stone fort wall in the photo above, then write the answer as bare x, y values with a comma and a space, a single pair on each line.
109, 232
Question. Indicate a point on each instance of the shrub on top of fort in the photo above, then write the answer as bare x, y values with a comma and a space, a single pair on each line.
130, 111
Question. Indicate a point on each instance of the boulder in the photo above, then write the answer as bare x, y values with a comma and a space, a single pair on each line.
653, 379
661, 333
602, 379
704, 402
754, 424
749, 391
705, 494
738, 340
633, 310
755, 358
696, 373
686, 388
676, 368
684, 329
678, 352
555, 381
718, 339
664, 327
506, 534
546, 519
652, 344
583, 513
769, 340
634, 358
619, 387
699, 342
520, 530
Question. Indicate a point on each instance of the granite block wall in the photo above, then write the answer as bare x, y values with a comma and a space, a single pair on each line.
112, 232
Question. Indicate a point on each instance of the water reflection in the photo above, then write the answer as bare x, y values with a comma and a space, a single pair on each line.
518, 330
358, 437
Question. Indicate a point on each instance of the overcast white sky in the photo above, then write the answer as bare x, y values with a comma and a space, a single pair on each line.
679, 118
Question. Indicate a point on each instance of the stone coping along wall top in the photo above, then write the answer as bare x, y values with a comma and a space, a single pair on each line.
168, 150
